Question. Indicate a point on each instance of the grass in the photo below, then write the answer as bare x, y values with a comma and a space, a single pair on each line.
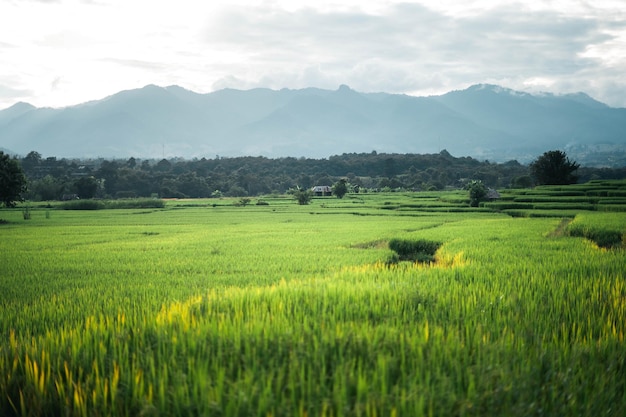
287, 310
606, 230
112, 204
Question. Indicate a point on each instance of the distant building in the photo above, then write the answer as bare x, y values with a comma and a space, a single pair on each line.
322, 190
493, 194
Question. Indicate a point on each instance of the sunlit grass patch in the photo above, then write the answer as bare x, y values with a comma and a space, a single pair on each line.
374, 244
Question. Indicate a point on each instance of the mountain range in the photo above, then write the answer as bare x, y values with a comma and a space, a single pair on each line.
483, 121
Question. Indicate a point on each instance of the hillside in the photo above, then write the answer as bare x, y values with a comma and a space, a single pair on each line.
483, 121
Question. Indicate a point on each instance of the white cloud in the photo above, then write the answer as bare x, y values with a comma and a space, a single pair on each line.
68, 51
408, 46
13, 93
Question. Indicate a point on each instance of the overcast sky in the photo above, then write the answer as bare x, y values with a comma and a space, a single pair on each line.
64, 52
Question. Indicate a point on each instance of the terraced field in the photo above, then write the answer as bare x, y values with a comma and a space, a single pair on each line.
210, 307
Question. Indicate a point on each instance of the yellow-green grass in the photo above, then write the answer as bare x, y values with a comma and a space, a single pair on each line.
291, 310
605, 229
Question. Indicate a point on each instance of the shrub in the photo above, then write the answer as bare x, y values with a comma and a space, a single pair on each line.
244, 201
303, 196
477, 192
421, 250
82, 205
142, 203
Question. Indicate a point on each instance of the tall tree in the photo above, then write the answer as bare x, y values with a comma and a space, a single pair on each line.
554, 168
477, 192
12, 180
86, 187
31, 162
302, 195
46, 188
340, 188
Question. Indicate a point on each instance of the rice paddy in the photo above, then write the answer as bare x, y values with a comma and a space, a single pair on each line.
207, 308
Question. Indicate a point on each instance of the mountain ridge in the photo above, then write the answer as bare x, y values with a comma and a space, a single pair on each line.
484, 121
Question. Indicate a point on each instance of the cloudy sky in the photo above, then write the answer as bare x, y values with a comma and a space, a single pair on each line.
64, 52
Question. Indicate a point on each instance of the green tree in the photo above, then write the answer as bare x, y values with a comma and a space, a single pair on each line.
477, 192
554, 168
302, 195
523, 181
340, 188
109, 172
86, 187
163, 165
12, 180
192, 185
30, 163
46, 189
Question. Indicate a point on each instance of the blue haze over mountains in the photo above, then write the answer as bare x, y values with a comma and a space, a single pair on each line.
483, 121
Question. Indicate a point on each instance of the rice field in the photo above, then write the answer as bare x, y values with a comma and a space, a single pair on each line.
206, 308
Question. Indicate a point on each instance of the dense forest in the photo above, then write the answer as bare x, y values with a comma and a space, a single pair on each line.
53, 179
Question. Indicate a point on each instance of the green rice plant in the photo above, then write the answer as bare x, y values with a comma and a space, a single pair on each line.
555, 199
564, 206
606, 231
612, 207
291, 310
135, 203
508, 205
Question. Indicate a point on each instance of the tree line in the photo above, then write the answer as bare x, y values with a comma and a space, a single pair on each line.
54, 179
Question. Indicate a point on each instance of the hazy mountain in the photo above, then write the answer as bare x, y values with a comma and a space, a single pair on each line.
483, 121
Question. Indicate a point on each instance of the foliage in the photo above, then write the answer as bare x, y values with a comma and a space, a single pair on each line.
340, 188
244, 201
47, 188
112, 204
302, 195
554, 167
523, 181
257, 176
86, 187
420, 250
477, 192
83, 205
136, 203
254, 176
12, 180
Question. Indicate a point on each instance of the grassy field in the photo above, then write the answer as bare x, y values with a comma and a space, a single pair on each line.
206, 308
